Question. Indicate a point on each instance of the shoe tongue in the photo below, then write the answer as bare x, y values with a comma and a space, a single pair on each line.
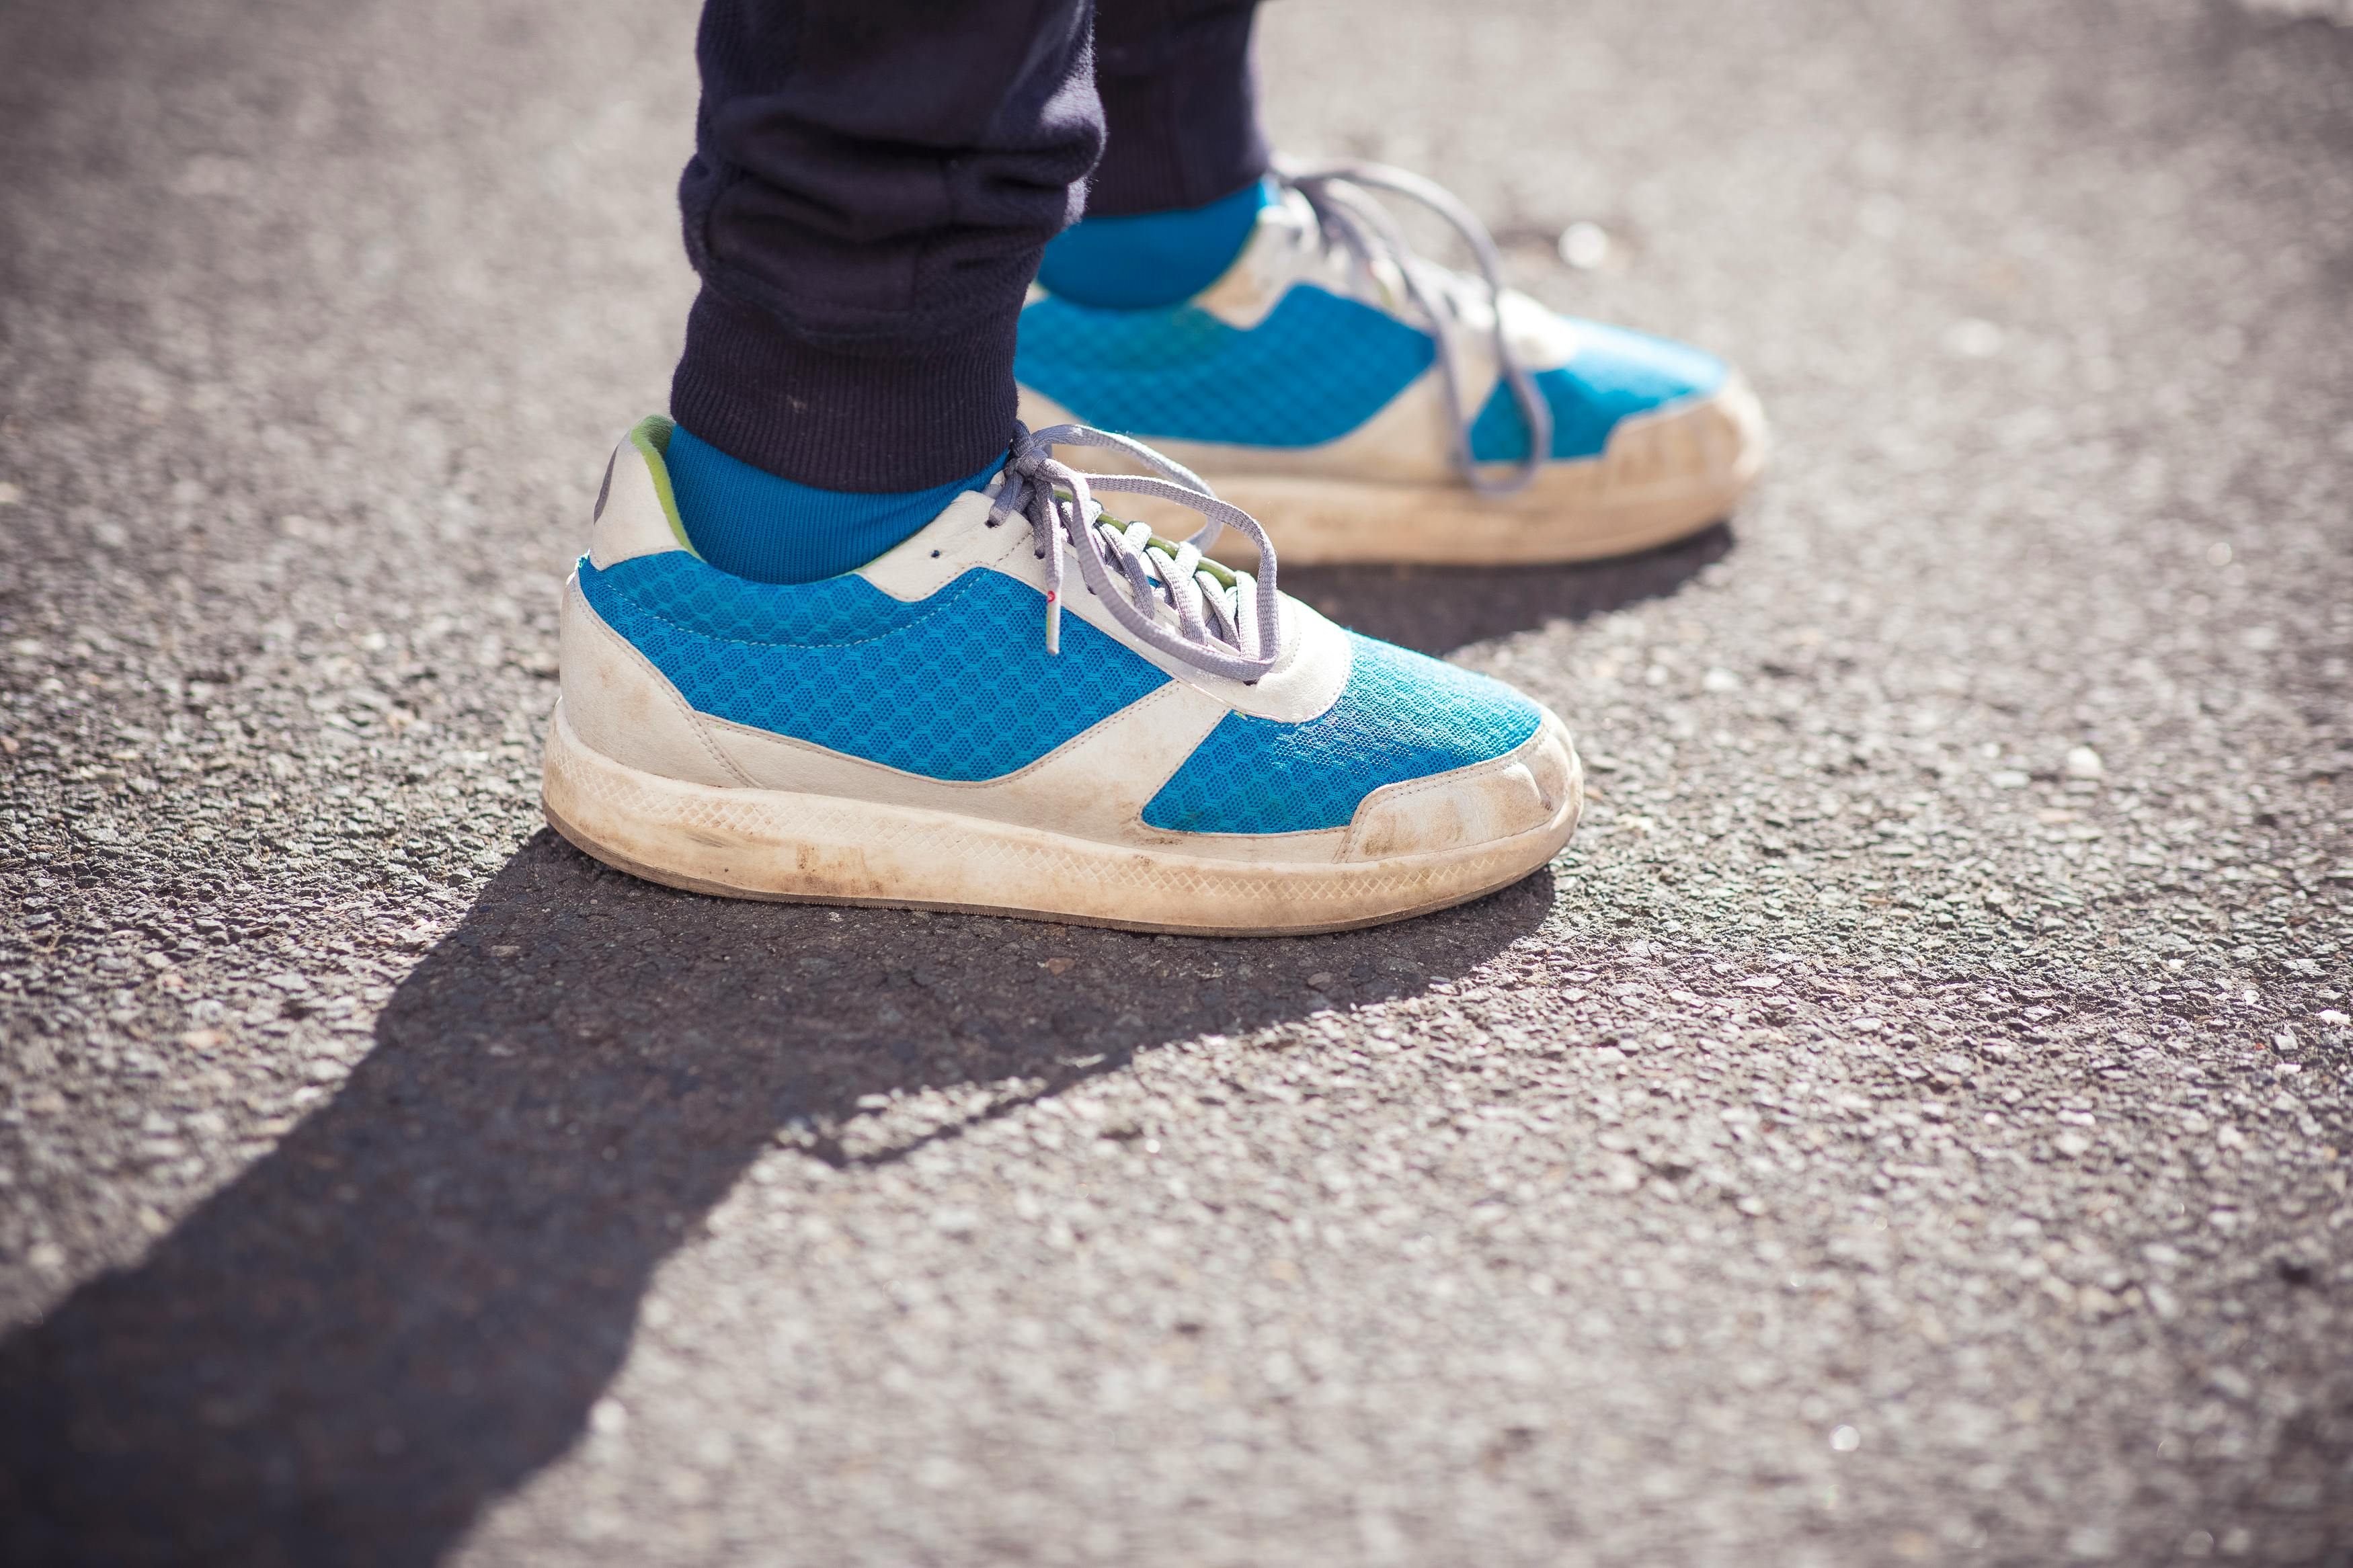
1289, 246
1282, 222
948, 535
1285, 246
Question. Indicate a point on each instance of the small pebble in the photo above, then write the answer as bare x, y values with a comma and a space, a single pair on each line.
1970, 338
1584, 245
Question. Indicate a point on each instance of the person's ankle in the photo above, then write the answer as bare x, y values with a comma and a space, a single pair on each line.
751, 523
1139, 261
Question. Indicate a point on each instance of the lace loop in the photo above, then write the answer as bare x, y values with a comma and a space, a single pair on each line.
1338, 192
1233, 630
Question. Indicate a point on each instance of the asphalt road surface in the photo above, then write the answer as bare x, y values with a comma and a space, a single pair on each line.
1908, 1125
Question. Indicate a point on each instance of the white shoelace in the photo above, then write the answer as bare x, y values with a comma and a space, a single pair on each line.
1226, 623
1339, 193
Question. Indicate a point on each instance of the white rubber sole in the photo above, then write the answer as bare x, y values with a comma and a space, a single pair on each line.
1665, 475
828, 850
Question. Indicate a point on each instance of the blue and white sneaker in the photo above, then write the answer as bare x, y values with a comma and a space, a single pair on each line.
1030, 709
1366, 403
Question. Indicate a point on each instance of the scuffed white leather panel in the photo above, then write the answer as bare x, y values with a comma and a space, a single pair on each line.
1480, 804
946, 548
633, 522
620, 705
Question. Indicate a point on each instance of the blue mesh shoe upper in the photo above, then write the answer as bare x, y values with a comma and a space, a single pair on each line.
1402, 716
1615, 372
958, 686
1314, 370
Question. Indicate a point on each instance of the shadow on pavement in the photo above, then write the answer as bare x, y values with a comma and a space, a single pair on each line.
410, 1305
1436, 609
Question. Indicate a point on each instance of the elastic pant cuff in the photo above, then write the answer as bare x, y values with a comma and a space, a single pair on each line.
844, 419
1181, 107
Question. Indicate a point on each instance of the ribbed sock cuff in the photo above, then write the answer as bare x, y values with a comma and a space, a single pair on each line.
752, 523
1152, 259
844, 420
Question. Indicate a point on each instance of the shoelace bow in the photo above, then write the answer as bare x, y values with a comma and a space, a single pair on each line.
1227, 623
1339, 193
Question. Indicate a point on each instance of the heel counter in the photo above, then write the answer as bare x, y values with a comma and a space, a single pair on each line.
636, 512
619, 704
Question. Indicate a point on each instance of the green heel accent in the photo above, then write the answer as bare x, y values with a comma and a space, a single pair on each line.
650, 436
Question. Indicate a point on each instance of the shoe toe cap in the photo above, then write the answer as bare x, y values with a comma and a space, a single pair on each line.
1613, 375
1401, 720
1535, 785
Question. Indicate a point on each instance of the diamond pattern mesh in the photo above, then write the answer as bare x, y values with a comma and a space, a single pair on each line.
958, 686
1314, 370
695, 596
1614, 373
1402, 716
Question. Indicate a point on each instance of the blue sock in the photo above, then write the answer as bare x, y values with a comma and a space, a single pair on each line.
1152, 259
751, 523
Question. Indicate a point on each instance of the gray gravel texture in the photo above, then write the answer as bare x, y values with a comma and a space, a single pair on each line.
1908, 1125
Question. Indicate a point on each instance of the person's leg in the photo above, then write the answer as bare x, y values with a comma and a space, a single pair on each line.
1180, 183
872, 182
800, 660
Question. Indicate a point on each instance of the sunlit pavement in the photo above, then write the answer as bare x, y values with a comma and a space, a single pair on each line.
1908, 1125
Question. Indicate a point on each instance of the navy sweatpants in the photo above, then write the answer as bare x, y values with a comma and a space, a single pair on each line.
872, 184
